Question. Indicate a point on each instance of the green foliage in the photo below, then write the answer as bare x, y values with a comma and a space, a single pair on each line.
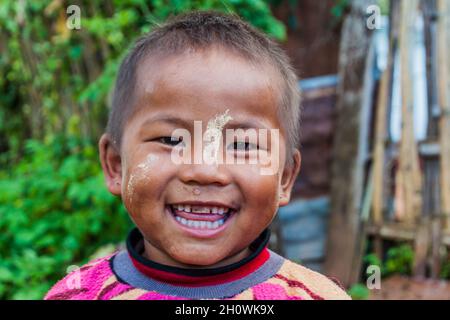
445, 270
384, 6
340, 6
372, 259
399, 260
51, 74
54, 211
338, 10
359, 292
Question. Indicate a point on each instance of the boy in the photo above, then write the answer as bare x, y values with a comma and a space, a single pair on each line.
202, 203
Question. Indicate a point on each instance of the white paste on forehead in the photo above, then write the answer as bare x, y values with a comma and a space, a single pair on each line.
219, 121
213, 136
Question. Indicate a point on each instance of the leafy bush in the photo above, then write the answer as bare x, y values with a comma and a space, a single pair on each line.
359, 292
53, 76
399, 260
445, 270
54, 211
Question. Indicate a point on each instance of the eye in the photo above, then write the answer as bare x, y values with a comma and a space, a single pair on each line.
171, 141
243, 146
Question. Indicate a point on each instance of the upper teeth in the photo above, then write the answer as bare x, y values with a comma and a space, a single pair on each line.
201, 209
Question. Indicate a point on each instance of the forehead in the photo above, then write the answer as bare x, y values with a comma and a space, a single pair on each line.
203, 83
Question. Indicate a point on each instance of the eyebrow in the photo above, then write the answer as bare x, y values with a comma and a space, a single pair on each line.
167, 119
232, 124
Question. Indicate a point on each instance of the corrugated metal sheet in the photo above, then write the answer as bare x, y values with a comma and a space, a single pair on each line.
303, 230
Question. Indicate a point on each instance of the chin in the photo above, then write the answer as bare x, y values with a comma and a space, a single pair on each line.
201, 260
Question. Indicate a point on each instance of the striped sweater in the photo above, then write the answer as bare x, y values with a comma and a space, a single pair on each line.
127, 275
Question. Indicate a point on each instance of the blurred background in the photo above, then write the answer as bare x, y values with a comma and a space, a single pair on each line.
371, 206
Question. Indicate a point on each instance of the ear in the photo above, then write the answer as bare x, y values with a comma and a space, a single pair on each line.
290, 173
111, 164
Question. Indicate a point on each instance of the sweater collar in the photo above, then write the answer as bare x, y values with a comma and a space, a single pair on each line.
197, 277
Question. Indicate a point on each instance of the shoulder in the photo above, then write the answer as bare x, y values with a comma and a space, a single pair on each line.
306, 283
83, 283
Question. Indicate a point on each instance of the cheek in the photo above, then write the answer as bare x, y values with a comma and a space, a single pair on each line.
261, 191
134, 183
139, 181
254, 177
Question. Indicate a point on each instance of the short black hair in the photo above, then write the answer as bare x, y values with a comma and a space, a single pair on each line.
199, 30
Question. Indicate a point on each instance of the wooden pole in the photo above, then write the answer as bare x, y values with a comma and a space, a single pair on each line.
380, 142
410, 178
379, 167
349, 147
409, 173
431, 203
443, 7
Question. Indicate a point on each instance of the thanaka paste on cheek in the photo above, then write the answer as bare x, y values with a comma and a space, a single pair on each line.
142, 172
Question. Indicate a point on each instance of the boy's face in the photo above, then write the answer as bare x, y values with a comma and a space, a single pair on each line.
172, 93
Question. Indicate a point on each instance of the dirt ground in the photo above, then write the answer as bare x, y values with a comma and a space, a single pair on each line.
405, 288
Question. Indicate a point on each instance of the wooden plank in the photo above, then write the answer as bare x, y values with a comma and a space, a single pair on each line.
409, 178
421, 246
443, 7
436, 245
446, 239
361, 240
409, 174
379, 156
380, 142
431, 149
393, 231
430, 23
400, 232
349, 149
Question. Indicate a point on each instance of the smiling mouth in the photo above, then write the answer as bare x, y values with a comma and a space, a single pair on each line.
201, 216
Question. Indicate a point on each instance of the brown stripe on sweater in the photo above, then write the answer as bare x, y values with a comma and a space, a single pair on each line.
298, 284
84, 268
66, 295
107, 289
337, 282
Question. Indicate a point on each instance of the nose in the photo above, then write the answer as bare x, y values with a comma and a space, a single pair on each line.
199, 171
204, 174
